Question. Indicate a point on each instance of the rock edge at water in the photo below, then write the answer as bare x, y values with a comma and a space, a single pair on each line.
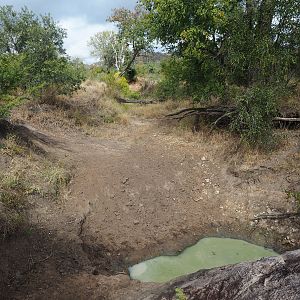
269, 278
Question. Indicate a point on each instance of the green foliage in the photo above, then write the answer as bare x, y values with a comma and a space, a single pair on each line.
220, 44
118, 85
133, 31
171, 84
8, 102
32, 58
61, 75
225, 42
133, 27
130, 74
253, 120
95, 72
151, 69
180, 295
11, 72
110, 49
181, 78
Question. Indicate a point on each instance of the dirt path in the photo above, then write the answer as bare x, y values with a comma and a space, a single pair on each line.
139, 191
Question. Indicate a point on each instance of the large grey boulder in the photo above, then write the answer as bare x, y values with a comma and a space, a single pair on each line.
275, 278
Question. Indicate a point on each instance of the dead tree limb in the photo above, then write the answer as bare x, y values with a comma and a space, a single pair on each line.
213, 110
215, 113
128, 101
280, 119
224, 113
276, 216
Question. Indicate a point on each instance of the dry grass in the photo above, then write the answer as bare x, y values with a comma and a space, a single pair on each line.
226, 146
155, 111
290, 105
25, 177
88, 108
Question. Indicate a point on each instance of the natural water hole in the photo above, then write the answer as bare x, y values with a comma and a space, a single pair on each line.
208, 253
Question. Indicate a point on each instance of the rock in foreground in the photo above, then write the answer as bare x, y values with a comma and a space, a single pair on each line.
269, 278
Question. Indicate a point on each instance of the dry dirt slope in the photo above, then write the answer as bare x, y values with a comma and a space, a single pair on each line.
139, 191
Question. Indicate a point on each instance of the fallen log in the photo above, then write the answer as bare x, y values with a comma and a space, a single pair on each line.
276, 216
213, 110
281, 119
128, 101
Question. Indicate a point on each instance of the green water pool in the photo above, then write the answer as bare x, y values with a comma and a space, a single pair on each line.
206, 254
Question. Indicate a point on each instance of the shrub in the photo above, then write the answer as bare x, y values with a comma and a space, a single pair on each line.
118, 85
253, 120
7, 102
130, 75
11, 72
180, 295
189, 78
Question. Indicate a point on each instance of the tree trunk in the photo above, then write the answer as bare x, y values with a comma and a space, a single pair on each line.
135, 54
250, 13
265, 17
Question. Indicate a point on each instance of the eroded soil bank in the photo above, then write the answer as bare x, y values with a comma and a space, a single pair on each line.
139, 191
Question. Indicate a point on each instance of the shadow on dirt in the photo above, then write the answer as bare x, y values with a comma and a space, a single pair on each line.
38, 260
28, 137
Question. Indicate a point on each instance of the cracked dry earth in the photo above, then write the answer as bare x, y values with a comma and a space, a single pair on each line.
137, 192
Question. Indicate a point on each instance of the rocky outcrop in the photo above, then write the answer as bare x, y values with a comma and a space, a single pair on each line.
270, 278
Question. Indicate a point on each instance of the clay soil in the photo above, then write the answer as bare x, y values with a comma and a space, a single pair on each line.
139, 191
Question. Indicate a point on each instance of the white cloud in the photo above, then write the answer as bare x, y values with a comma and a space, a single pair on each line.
79, 32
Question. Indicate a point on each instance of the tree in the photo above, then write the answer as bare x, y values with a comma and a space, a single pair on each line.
235, 50
109, 49
32, 56
244, 42
133, 29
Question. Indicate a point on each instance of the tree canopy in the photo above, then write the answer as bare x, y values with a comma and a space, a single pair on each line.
32, 56
110, 49
242, 52
120, 49
241, 42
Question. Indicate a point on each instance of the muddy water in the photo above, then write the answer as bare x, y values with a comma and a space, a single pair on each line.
206, 254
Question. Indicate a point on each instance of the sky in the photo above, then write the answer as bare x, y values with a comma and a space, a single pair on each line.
81, 19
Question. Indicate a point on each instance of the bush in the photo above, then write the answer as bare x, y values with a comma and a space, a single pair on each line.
253, 120
189, 78
130, 75
118, 85
60, 76
11, 72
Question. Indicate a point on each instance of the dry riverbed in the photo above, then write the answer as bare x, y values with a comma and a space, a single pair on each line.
139, 191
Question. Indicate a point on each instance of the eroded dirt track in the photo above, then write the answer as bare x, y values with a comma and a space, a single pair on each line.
136, 193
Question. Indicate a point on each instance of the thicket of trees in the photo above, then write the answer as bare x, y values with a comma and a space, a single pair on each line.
223, 42
32, 57
244, 52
